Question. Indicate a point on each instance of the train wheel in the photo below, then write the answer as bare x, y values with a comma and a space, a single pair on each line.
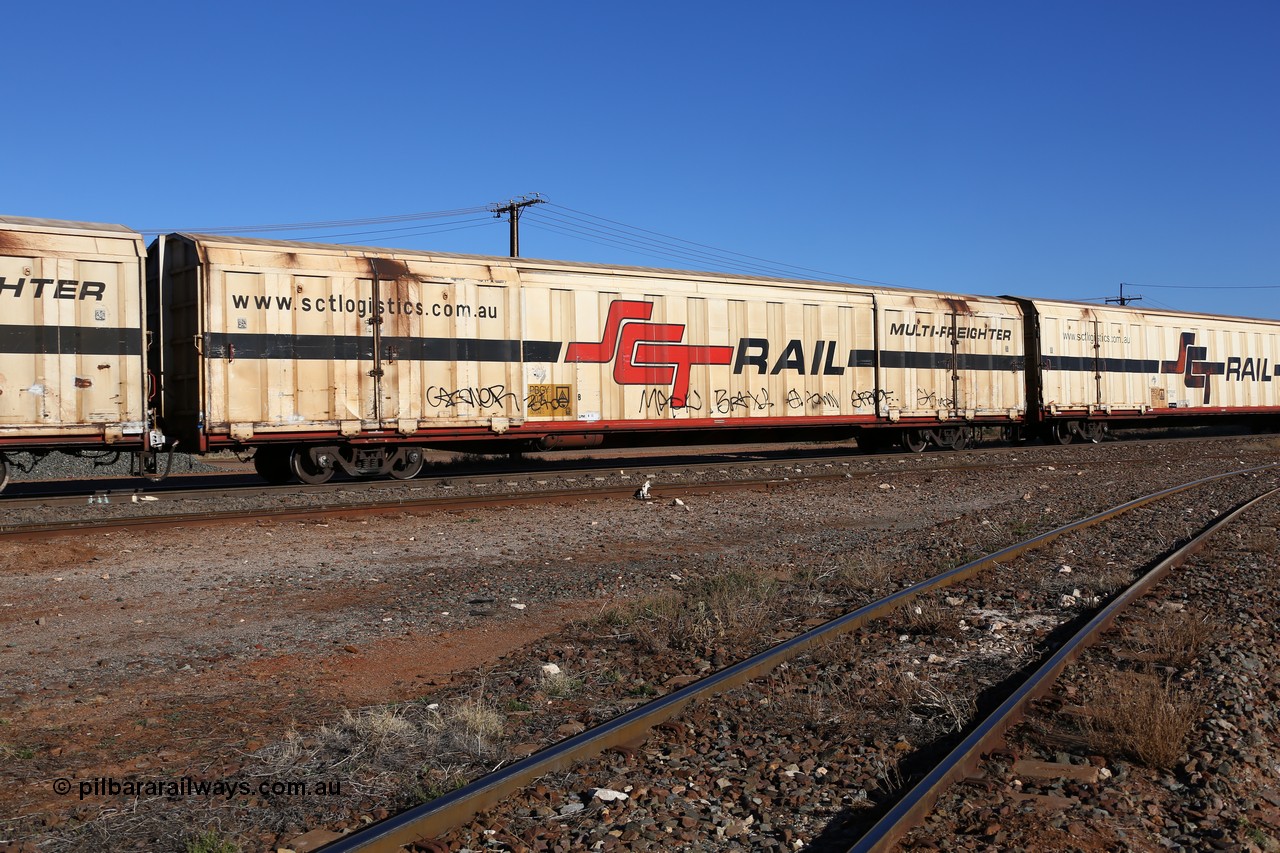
1094, 431
4, 473
410, 464
956, 439
272, 465
915, 440
308, 470
1061, 432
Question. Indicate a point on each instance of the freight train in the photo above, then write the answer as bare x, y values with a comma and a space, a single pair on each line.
324, 358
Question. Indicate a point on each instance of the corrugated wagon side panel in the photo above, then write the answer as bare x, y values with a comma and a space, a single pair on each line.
72, 369
951, 357
642, 349
285, 350
1113, 361
451, 350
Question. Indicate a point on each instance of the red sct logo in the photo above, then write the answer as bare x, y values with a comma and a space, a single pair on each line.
646, 353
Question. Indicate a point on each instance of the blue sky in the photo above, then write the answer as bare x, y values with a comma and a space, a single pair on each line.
1041, 149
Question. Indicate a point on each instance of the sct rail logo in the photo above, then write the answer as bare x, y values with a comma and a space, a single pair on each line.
1195, 371
646, 353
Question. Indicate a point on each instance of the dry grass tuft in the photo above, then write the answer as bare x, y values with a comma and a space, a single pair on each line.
732, 607
899, 684
830, 698
560, 685
1143, 717
371, 732
925, 616
1092, 581
1107, 580
1261, 542
1177, 639
476, 726
954, 708
834, 651
888, 773
861, 575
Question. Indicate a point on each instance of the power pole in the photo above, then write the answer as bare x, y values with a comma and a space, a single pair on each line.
512, 209
1122, 299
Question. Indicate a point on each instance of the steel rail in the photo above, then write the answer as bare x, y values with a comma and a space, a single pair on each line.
446, 812
401, 504
911, 810
979, 458
440, 504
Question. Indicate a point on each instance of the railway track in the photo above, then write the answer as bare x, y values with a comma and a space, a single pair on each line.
447, 813
277, 619
193, 502
234, 480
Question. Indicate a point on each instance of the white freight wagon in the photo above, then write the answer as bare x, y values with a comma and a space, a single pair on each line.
73, 373
357, 358
1105, 364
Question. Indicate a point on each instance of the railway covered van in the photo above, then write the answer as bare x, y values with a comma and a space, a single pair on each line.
329, 357
333, 356
1099, 365
72, 367
324, 358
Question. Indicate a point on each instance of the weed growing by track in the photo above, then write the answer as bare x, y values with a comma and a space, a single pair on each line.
1142, 716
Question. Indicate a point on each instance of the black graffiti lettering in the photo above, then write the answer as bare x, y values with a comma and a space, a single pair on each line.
494, 396
662, 401
932, 400
813, 399
871, 398
727, 401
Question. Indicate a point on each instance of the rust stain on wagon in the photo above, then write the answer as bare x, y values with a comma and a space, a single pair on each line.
406, 293
390, 269
958, 306
10, 240
403, 283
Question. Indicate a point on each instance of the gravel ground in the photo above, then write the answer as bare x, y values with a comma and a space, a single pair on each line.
807, 757
1123, 777
217, 652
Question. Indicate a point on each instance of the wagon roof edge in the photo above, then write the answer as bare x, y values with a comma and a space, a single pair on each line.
552, 264
64, 226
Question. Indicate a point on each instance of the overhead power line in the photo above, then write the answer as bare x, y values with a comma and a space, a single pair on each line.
412, 231
658, 244
331, 223
1215, 286
545, 216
